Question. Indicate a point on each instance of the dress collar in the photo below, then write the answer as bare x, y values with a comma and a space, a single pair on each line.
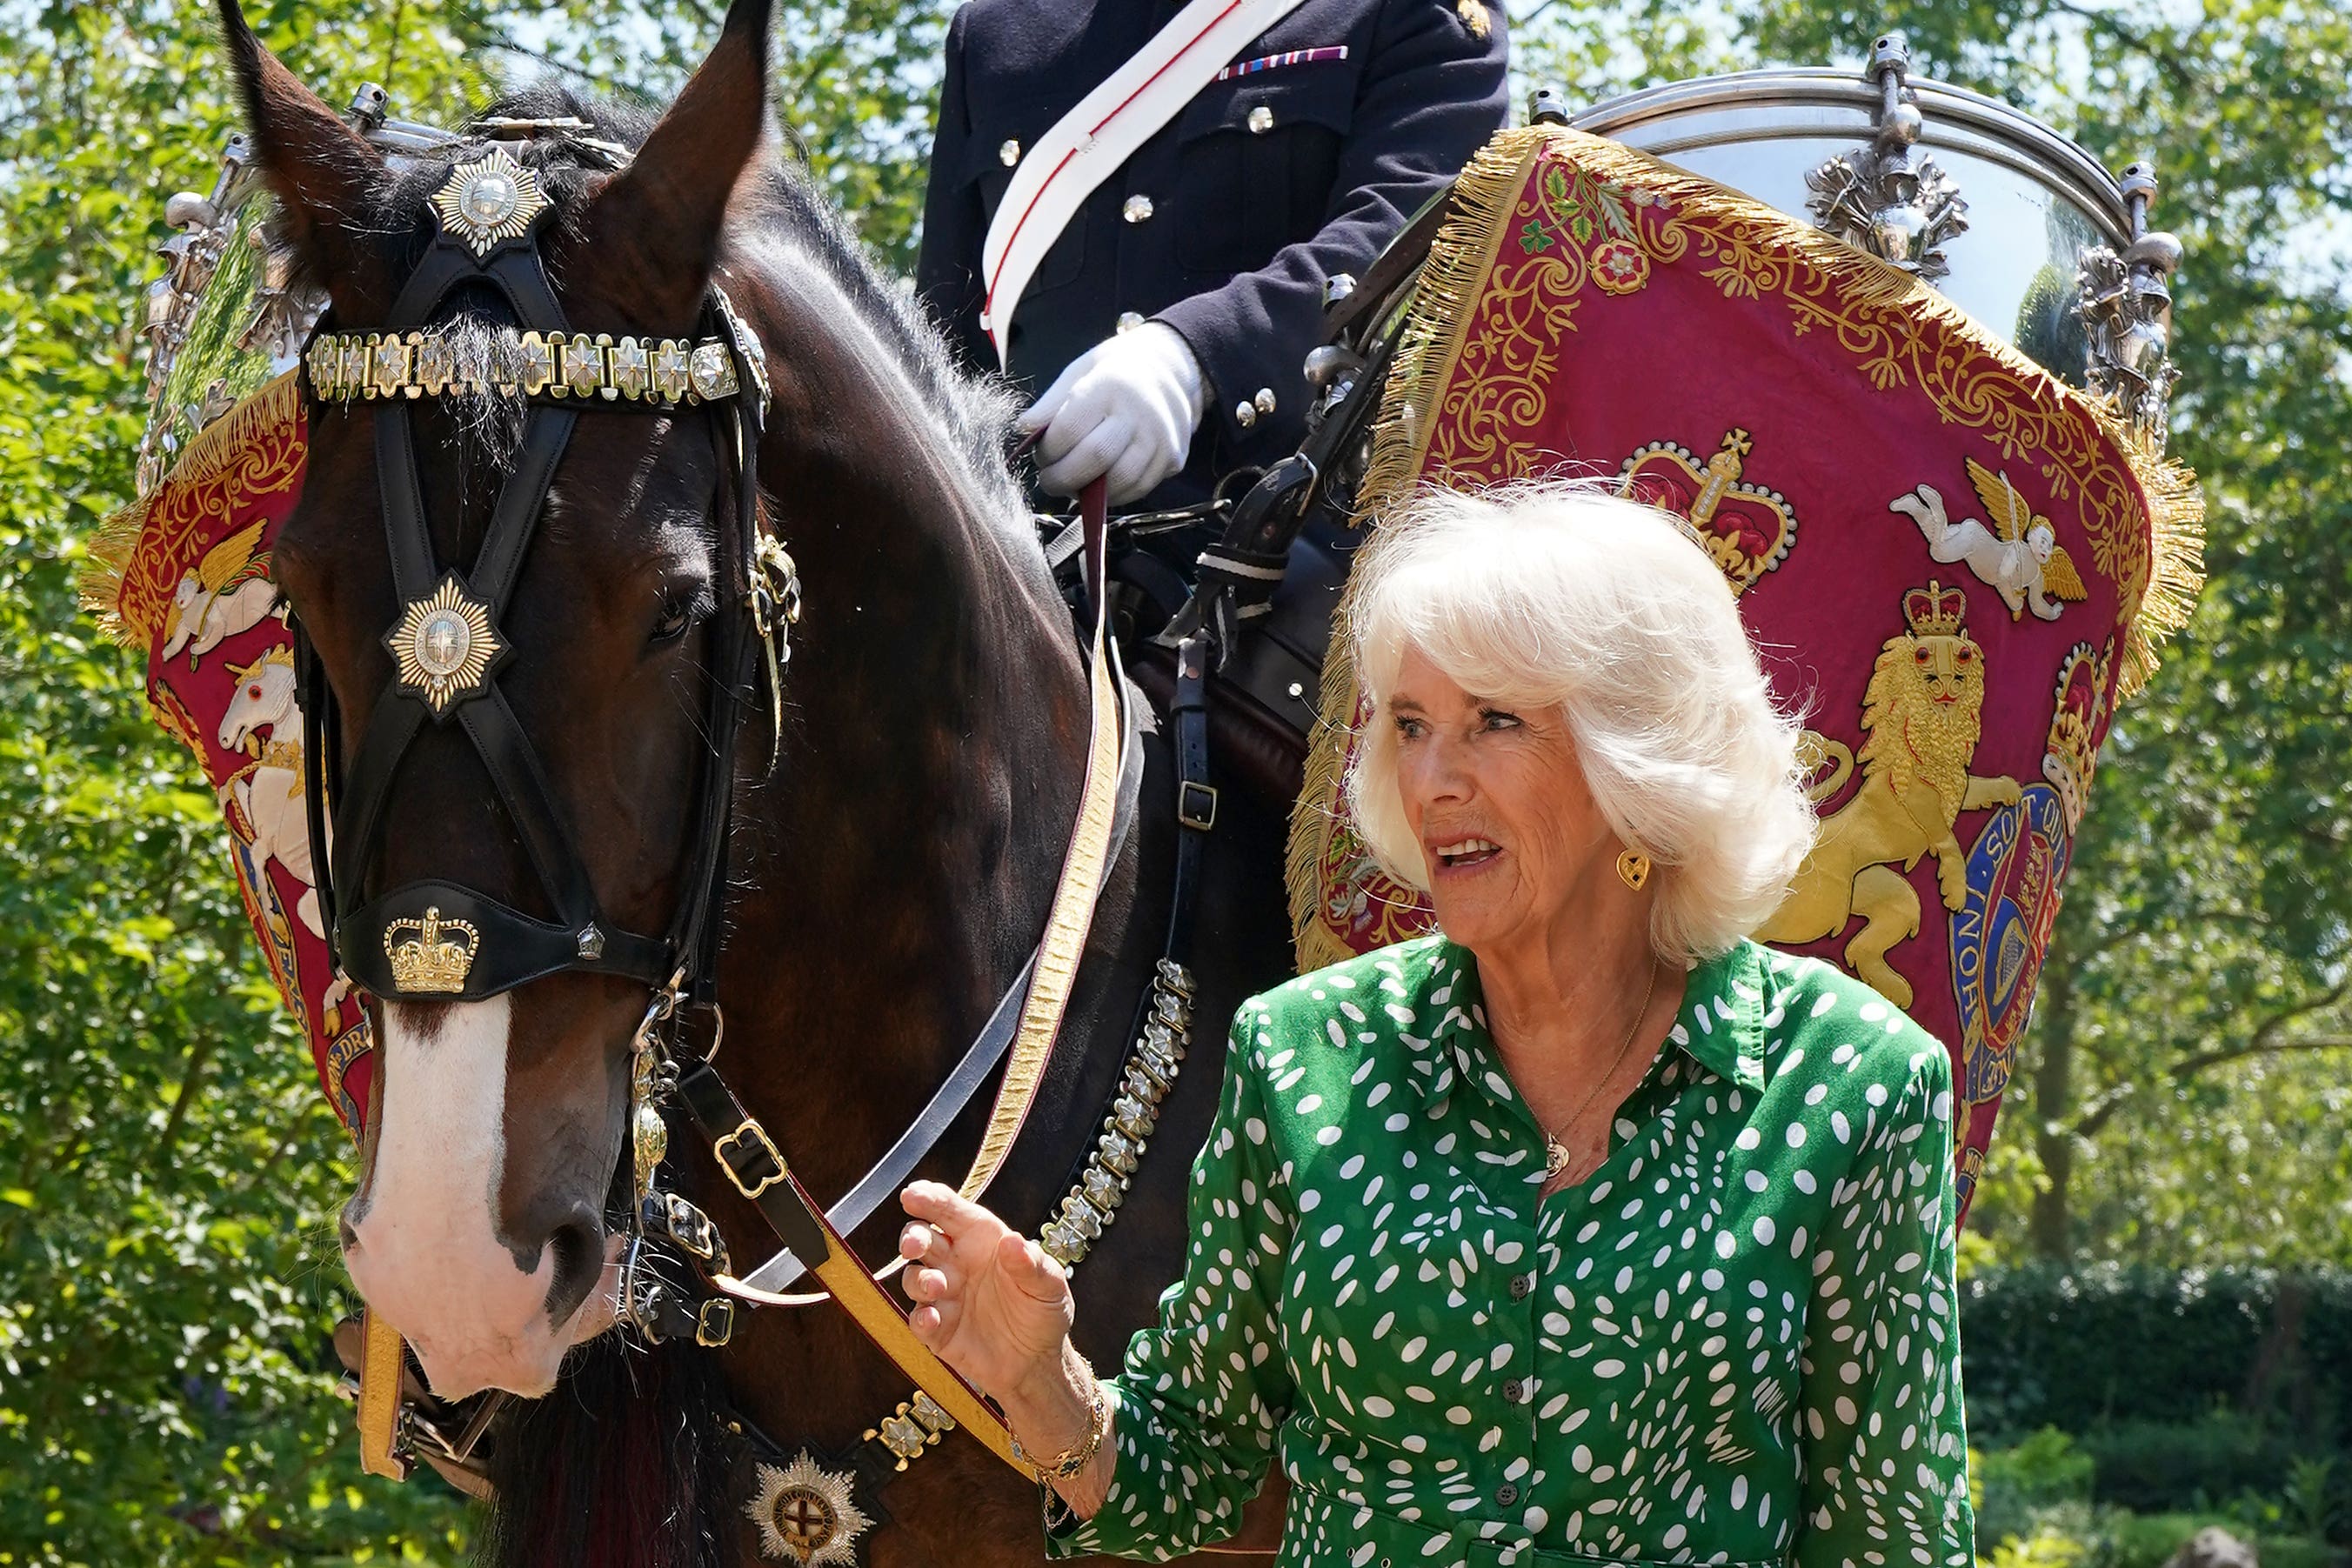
1720, 1025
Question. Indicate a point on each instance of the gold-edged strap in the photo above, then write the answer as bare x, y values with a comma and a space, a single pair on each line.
381, 1365
875, 1312
752, 1162
1084, 866
431, 363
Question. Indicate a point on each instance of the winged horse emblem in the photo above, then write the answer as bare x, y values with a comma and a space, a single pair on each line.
229, 591
2017, 553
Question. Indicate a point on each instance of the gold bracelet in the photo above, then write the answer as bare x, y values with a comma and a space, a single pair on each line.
1071, 1460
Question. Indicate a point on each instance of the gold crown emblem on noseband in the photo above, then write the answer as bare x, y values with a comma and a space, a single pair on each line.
431, 962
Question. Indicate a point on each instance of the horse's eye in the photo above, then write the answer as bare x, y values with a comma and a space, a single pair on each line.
676, 615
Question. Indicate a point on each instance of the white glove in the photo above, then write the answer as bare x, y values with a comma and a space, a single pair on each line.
1125, 408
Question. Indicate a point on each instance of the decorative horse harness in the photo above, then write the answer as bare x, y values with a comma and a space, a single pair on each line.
441, 939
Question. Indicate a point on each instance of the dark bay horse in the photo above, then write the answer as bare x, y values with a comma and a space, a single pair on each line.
888, 877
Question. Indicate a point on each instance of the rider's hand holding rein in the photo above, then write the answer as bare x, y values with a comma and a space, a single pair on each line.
1125, 410
995, 1308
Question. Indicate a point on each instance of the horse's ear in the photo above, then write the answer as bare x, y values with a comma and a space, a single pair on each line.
655, 226
325, 175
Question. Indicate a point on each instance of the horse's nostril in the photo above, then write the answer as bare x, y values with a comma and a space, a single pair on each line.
578, 1246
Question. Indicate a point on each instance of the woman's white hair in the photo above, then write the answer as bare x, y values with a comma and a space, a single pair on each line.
1557, 593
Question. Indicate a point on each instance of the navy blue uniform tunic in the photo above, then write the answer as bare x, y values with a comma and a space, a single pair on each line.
1227, 222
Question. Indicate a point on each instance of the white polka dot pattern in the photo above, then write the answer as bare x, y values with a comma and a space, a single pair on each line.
1734, 1343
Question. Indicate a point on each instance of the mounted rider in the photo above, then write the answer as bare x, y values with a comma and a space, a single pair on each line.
1162, 330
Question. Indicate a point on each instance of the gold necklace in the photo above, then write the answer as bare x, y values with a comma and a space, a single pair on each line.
1555, 1152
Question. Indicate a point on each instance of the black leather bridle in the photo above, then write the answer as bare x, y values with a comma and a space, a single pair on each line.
438, 939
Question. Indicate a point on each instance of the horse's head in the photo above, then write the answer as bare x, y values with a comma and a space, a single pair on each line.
264, 699
568, 774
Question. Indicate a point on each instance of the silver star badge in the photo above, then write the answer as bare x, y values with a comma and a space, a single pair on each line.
489, 202
805, 1514
443, 644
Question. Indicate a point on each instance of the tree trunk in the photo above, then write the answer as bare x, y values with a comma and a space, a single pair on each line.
2050, 1226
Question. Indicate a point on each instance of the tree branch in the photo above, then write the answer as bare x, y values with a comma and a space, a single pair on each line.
2268, 1039
200, 1057
2166, 57
2188, 1067
503, 42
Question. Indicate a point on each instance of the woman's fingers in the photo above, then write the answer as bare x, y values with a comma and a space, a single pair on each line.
927, 1325
1026, 1268
945, 1209
915, 1240
934, 1322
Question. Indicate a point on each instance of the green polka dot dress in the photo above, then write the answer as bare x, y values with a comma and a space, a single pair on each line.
1735, 1342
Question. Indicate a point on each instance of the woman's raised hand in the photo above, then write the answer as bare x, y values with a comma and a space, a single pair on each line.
988, 1299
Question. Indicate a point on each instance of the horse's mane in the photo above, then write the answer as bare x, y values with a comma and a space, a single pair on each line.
777, 198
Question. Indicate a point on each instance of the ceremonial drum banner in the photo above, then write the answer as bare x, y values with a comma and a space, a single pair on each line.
1955, 563
184, 576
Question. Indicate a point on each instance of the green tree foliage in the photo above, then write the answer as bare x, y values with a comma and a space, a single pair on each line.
168, 1174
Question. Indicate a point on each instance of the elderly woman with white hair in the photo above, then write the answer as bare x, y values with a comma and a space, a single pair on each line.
1583, 1229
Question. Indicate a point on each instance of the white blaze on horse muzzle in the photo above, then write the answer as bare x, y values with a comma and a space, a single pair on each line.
423, 1238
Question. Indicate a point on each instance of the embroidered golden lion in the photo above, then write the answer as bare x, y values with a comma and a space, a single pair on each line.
1922, 711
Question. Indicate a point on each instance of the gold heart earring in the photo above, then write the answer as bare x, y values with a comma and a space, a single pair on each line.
1633, 869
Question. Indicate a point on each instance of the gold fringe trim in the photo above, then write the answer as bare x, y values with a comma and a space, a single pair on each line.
1437, 325
1438, 322
213, 452
2176, 523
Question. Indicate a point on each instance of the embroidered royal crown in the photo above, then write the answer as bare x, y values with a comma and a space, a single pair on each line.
1745, 528
2077, 720
436, 956
1934, 611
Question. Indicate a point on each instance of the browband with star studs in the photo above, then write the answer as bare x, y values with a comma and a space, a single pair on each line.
372, 365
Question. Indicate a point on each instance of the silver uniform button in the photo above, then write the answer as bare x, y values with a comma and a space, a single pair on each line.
1265, 400
1261, 121
1137, 210
1129, 320
1244, 414
1010, 154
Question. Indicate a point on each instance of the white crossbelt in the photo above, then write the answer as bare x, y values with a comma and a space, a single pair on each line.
1087, 145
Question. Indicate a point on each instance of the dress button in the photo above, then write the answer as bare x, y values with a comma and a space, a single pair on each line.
1265, 400
1261, 121
1516, 1390
1244, 414
1138, 209
1129, 320
1506, 1495
1522, 1286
